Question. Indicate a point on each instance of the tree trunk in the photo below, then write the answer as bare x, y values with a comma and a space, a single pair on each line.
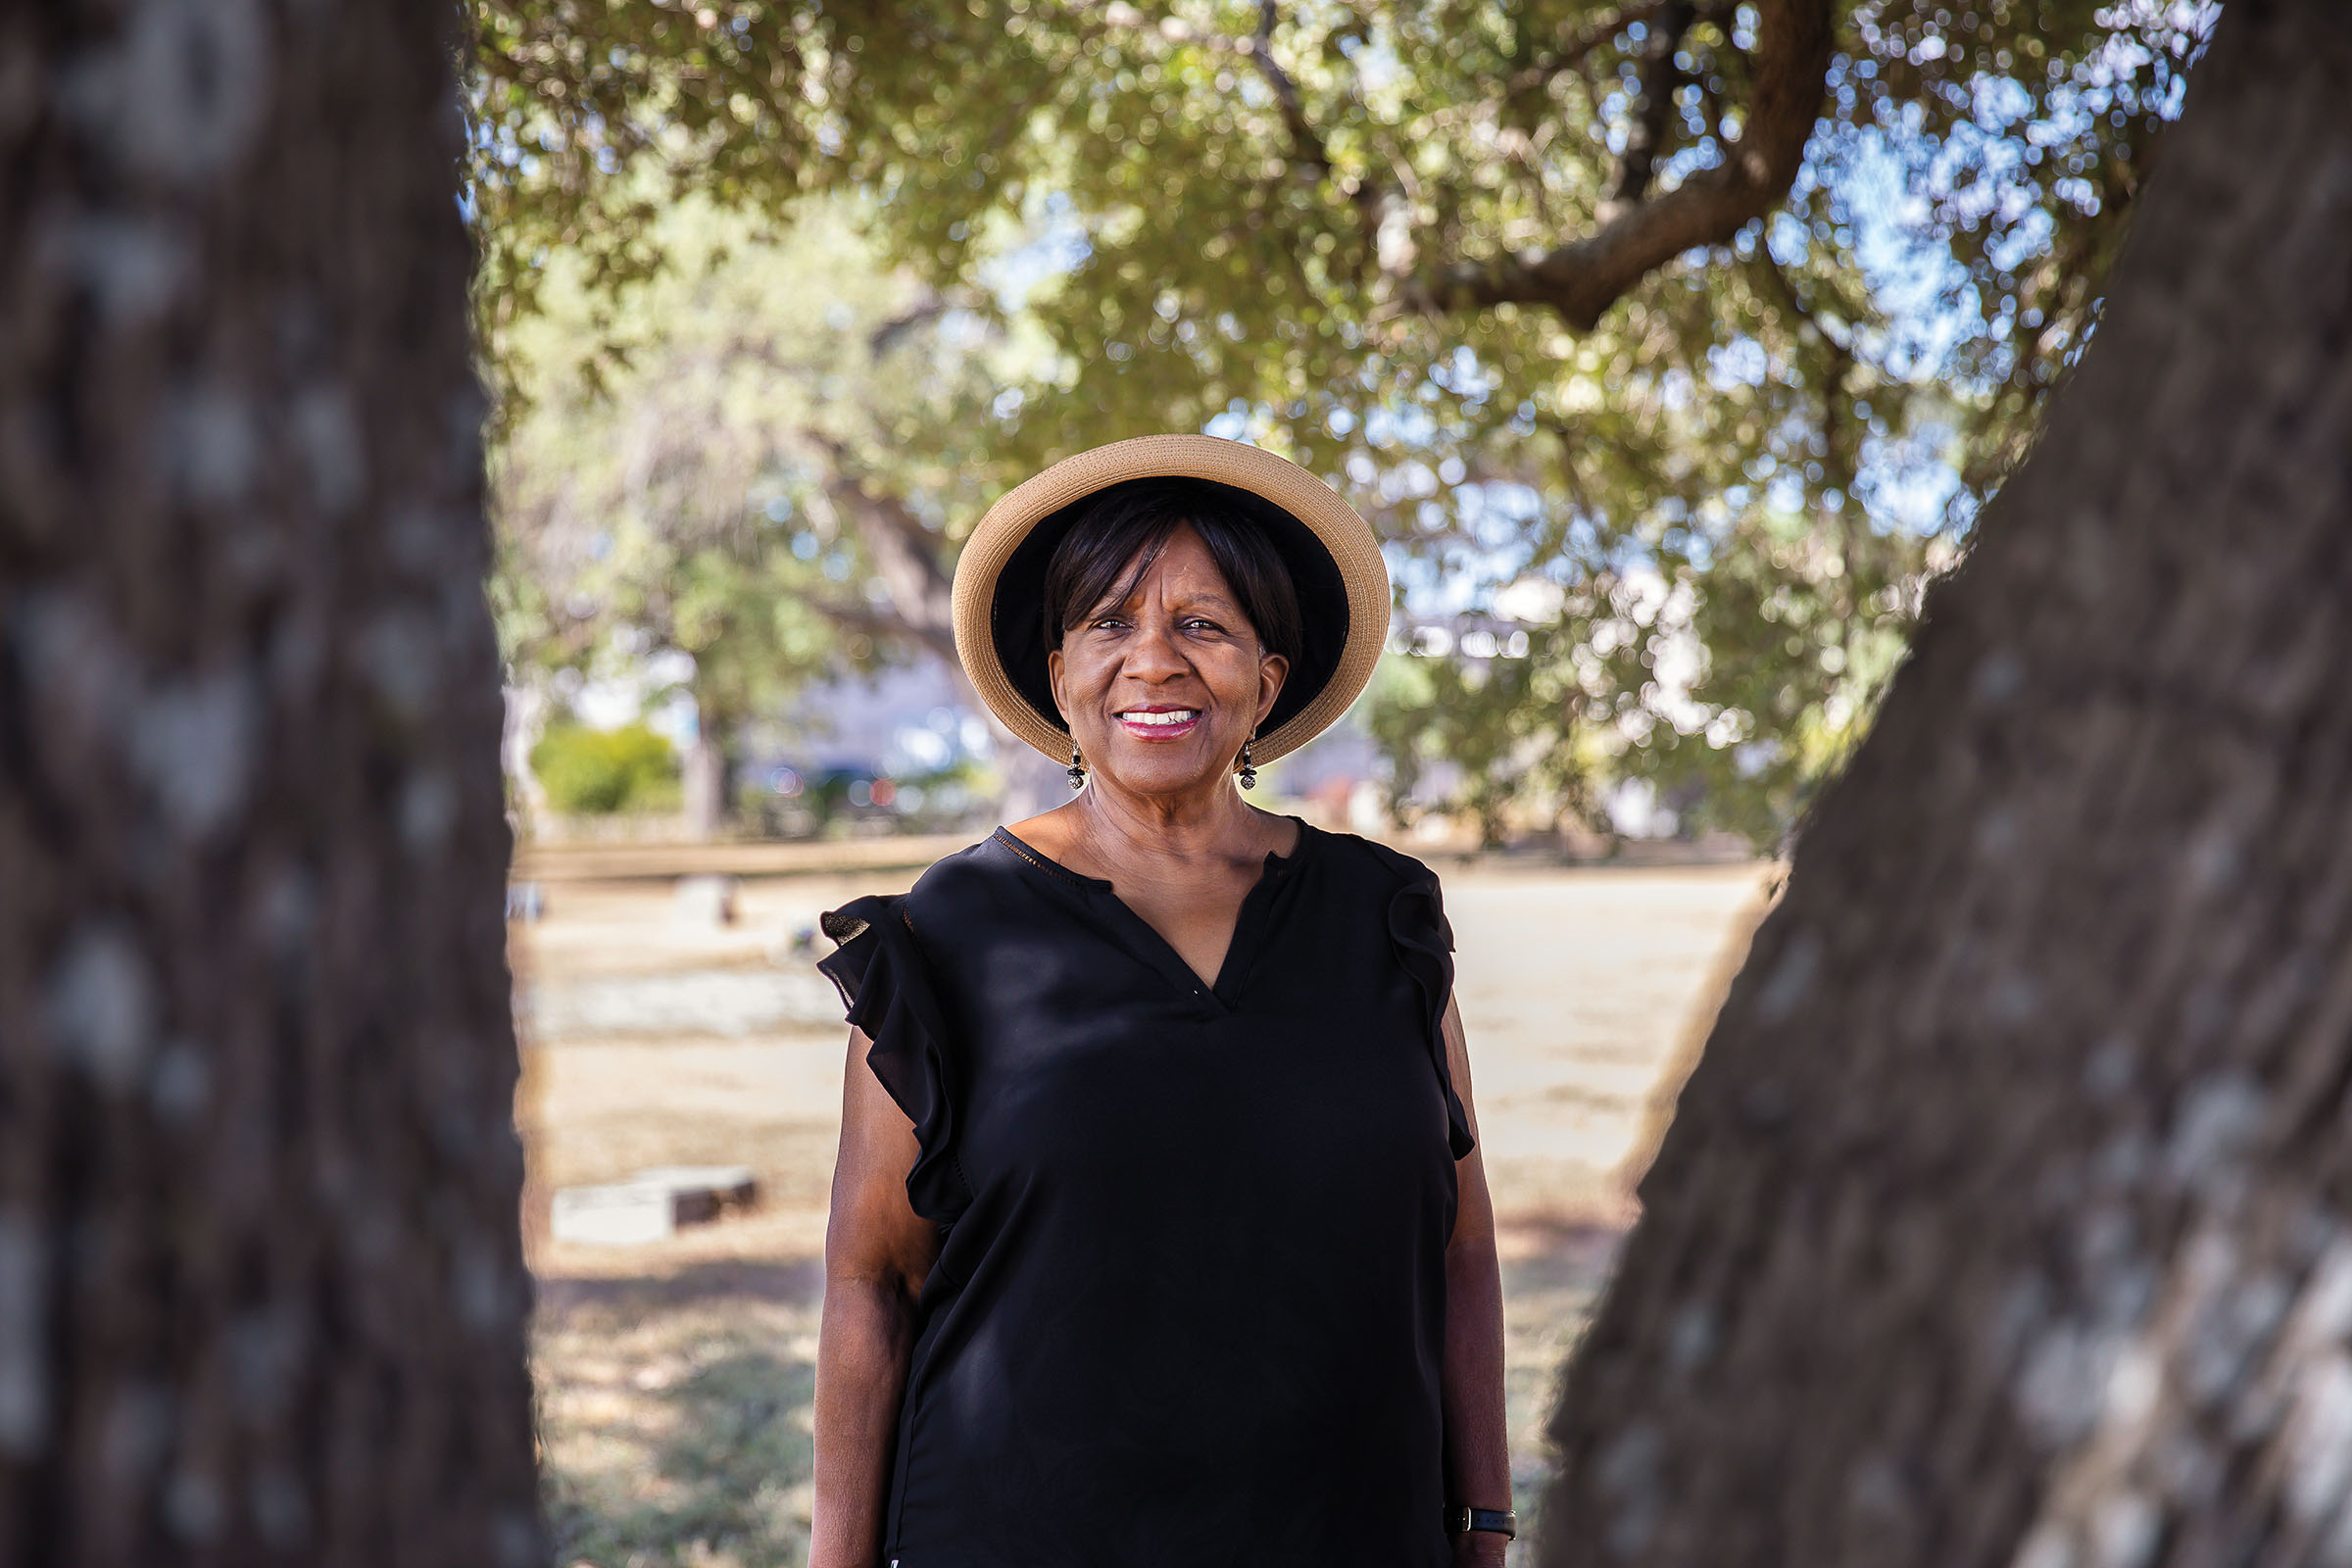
702, 781
2007, 1218
261, 1289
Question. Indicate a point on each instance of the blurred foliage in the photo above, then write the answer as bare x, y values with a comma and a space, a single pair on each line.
679, 465
600, 771
1220, 215
1487, 717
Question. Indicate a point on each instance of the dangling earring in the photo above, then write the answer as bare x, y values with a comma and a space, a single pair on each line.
1077, 770
1248, 769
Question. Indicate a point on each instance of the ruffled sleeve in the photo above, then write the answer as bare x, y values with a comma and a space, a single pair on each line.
1425, 946
886, 987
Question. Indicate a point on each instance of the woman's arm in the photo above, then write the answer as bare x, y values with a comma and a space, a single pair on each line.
1477, 1457
877, 1252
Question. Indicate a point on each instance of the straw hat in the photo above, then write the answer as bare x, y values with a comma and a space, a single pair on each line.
1333, 559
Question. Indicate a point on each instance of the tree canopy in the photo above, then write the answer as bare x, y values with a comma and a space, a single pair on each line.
728, 463
1699, 328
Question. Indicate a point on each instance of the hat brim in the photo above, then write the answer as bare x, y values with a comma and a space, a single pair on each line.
1333, 556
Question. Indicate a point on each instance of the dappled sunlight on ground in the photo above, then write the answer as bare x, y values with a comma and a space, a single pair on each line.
674, 1416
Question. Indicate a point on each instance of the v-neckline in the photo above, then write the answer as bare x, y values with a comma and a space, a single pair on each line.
1247, 922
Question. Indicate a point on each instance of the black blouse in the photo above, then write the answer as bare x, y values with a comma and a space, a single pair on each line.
1190, 1303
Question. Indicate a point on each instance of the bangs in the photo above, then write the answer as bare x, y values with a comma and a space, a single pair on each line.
1106, 552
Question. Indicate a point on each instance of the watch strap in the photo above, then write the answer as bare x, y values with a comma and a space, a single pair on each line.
1501, 1521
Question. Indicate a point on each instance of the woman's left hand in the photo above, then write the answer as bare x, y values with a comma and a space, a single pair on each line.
1479, 1549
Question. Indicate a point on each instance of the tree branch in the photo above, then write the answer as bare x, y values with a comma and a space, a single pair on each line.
1304, 139
1384, 212
1307, 143
885, 626
1583, 278
1776, 281
904, 554
1572, 52
1653, 116
928, 307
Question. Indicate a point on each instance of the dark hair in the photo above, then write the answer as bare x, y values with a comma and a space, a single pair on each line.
1123, 530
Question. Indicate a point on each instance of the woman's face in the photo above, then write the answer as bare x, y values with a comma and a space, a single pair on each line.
1161, 691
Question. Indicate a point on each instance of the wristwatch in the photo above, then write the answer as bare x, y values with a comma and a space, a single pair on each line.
1463, 1520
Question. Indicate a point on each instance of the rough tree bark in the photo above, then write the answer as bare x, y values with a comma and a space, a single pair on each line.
2007, 1218
261, 1287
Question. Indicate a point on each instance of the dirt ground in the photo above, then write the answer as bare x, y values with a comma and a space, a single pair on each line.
675, 1377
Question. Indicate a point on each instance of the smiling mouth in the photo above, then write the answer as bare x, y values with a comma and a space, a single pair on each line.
1163, 724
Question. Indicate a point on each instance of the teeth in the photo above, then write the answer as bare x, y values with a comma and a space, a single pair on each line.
1179, 715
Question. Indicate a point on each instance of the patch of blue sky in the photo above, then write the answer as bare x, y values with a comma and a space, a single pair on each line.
1054, 243
1917, 288
1461, 375
1918, 497
1490, 543
1742, 361
1408, 425
1374, 63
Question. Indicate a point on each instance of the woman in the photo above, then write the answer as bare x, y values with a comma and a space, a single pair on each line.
1158, 1234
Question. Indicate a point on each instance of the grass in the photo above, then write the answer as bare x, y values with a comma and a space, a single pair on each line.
675, 1431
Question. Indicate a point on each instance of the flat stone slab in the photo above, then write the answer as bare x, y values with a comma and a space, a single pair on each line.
650, 1205
730, 1002
707, 900
733, 1186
